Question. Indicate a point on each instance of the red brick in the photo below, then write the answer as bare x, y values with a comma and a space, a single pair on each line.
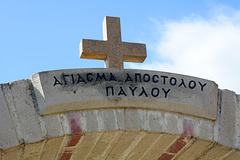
165, 156
66, 156
188, 127
73, 140
178, 144
74, 122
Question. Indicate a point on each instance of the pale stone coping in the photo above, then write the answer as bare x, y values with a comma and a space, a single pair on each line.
135, 104
52, 89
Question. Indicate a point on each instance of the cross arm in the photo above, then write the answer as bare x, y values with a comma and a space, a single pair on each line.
134, 52
93, 49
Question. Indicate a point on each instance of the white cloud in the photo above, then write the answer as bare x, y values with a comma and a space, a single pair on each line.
205, 48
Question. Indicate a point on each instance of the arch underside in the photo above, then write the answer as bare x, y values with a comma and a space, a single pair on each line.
121, 144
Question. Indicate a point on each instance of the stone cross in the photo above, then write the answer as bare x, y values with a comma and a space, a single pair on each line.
112, 50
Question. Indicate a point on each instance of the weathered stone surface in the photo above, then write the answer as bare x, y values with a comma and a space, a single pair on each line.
154, 121
120, 119
227, 126
8, 135
112, 49
238, 123
132, 119
143, 119
91, 121
63, 90
173, 123
21, 103
53, 126
205, 130
109, 119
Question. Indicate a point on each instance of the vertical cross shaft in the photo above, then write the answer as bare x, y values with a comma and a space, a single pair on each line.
112, 50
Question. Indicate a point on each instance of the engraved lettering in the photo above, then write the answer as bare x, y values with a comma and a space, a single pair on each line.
56, 82
138, 76
122, 92
146, 78
154, 80
64, 79
128, 78
202, 85
192, 84
143, 92
132, 89
173, 81
80, 79
107, 88
166, 92
164, 79
101, 77
112, 78
72, 79
89, 77
182, 84
155, 92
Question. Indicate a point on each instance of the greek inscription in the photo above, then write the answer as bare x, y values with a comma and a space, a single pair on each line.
107, 90
128, 78
202, 85
112, 78
56, 81
64, 78
164, 79
155, 92
89, 77
182, 84
192, 84
138, 76
166, 92
133, 90
143, 92
154, 78
146, 77
122, 92
173, 81
100, 77
80, 79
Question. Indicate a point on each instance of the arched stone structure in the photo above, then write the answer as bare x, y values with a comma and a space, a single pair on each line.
51, 116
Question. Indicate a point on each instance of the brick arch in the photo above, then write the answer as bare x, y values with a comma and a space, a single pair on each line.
25, 134
123, 134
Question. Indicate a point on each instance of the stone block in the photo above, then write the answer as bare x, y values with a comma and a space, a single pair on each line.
8, 135
80, 89
238, 123
120, 119
91, 120
132, 119
108, 119
65, 124
154, 121
173, 123
22, 106
53, 126
227, 123
205, 130
143, 119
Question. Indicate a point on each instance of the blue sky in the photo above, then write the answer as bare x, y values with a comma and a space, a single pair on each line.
198, 38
